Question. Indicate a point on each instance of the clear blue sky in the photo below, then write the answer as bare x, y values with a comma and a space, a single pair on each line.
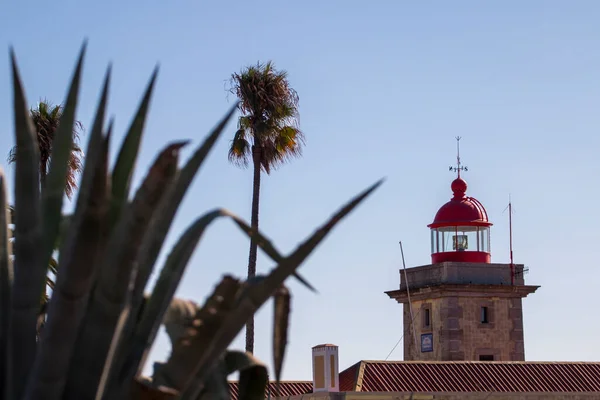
384, 88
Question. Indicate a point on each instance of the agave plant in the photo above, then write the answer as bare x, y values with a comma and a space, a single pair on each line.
46, 119
101, 323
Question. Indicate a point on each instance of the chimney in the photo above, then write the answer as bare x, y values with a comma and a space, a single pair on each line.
325, 368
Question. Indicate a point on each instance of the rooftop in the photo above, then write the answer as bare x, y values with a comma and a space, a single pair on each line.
471, 376
458, 376
286, 388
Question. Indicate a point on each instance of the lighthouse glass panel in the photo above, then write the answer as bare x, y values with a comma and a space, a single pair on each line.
460, 238
484, 239
436, 241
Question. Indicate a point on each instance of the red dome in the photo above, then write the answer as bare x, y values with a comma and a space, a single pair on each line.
460, 210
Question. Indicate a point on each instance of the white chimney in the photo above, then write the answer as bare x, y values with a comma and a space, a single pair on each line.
325, 368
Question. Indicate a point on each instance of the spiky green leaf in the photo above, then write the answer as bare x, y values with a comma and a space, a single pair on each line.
252, 383
160, 225
270, 250
154, 239
30, 272
164, 289
62, 147
105, 390
167, 283
190, 334
118, 261
84, 243
6, 277
257, 293
125, 164
254, 377
217, 387
281, 321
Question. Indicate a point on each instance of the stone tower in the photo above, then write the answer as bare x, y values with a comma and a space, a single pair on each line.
464, 307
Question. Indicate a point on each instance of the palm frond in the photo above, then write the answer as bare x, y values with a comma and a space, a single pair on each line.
46, 118
75, 167
12, 155
245, 122
270, 118
287, 115
240, 150
286, 144
261, 89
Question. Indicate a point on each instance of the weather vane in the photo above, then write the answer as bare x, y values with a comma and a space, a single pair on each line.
459, 167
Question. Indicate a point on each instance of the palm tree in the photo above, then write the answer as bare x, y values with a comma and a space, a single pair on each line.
46, 118
268, 135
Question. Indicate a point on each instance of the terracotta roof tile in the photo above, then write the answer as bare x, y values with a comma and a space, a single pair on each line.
456, 376
287, 388
467, 376
348, 378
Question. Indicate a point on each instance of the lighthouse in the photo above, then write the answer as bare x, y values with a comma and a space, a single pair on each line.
462, 306
460, 231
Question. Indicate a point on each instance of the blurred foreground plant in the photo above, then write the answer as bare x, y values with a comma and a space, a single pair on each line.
46, 120
100, 324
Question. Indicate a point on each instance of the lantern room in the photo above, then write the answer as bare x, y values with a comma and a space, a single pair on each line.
460, 231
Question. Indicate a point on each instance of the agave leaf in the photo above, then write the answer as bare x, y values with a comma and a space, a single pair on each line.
144, 389
159, 228
6, 277
30, 272
160, 225
258, 292
167, 283
270, 250
254, 377
164, 289
108, 296
190, 336
64, 228
217, 387
252, 382
281, 321
103, 388
83, 244
284, 269
62, 146
125, 164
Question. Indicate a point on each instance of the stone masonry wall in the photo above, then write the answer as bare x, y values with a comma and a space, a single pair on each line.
435, 307
458, 334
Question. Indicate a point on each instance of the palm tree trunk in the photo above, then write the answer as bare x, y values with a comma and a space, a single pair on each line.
256, 155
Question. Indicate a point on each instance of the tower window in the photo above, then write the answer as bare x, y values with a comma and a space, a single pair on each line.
427, 318
486, 357
485, 316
